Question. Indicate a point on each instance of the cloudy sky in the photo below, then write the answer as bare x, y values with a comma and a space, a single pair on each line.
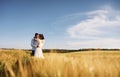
66, 24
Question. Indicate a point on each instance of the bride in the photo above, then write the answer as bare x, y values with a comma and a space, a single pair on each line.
38, 51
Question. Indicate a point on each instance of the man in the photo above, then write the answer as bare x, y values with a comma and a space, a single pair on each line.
34, 43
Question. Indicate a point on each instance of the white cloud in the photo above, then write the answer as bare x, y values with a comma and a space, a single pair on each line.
91, 27
98, 25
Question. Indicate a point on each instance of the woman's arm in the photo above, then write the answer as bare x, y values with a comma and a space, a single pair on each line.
38, 43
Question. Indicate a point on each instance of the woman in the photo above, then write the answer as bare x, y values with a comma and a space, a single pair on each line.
38, 52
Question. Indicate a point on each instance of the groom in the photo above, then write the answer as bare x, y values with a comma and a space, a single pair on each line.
34, 43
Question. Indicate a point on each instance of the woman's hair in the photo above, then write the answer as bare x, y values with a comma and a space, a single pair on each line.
41, 36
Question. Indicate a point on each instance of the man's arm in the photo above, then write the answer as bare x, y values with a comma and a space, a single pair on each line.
32, 43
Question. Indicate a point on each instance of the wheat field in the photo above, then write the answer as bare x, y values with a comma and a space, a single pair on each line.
17, 63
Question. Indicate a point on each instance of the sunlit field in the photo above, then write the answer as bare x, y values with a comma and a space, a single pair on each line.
17, 63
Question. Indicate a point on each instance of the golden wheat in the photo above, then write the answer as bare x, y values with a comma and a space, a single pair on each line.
77, 64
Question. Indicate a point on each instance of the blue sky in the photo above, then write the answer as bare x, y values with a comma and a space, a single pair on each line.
67, 24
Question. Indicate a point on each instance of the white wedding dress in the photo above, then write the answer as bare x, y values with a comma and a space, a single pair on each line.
38, 51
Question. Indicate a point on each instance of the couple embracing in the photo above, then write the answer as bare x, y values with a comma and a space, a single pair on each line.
37, 43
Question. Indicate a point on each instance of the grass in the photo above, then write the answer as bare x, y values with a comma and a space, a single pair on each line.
76, 64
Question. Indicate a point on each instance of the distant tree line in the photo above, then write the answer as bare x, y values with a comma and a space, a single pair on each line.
79, 50
64, 50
